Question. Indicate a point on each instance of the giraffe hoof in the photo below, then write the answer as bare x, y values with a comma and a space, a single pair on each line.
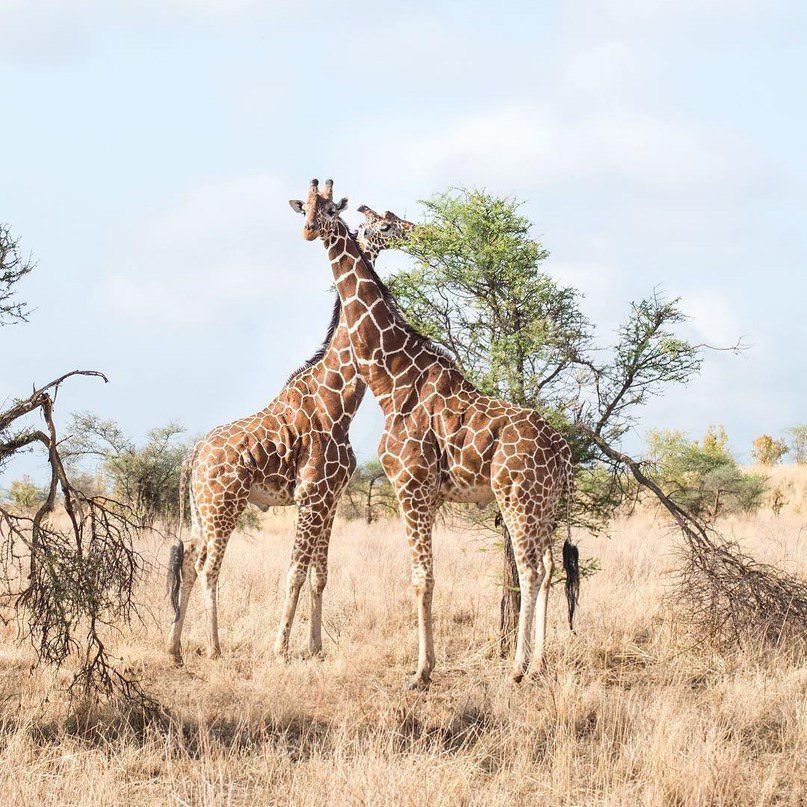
517, 676
417, 685
216, 654
176, 659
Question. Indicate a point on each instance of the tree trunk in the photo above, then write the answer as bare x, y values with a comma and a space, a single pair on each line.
368, 513
511, 597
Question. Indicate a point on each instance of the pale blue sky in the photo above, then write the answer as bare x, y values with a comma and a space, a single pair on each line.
149, 148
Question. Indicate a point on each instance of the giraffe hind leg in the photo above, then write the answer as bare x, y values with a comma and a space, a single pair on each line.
418, 509
541, 611
309, 527
524, 517
208, 566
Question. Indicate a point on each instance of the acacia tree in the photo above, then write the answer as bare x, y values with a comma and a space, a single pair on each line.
702, 475
146, 477
13, 268
368, 494
64, 582
477, 286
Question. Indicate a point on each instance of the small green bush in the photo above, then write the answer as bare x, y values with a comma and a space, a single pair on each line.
24, 496
702, 475
368, 495
144, 476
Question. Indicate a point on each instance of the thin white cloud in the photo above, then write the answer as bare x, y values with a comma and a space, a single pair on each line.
712, 316
519, 146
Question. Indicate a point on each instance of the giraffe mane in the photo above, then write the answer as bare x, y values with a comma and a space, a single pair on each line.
337, 308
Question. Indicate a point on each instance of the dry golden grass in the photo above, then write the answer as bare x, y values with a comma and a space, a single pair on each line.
631, 712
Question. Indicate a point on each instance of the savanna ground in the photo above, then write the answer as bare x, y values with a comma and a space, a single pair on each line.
633, 710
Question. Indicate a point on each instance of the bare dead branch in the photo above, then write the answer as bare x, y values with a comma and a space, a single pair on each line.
68, 585
728, 596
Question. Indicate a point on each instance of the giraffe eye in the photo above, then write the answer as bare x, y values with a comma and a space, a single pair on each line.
384, 228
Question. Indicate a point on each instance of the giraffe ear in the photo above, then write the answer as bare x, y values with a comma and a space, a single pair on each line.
342, 204
296, 205
369, 213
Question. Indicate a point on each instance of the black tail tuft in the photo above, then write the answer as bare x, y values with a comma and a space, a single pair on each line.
571, 566
175, 560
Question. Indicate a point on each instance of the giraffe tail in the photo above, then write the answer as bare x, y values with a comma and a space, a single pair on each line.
176, 558
571, 555
184, 473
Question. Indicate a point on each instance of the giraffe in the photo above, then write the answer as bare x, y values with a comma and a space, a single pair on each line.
294, 451
443, 440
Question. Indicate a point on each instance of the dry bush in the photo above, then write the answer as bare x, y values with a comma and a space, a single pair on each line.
728, 596
63, 580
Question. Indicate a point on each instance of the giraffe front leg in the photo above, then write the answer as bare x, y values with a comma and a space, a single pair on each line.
423, 584
294, 582
309, 525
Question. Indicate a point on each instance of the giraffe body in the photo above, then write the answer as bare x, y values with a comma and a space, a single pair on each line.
443, 440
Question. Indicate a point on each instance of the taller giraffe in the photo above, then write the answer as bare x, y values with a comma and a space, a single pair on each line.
295, 451
443, 440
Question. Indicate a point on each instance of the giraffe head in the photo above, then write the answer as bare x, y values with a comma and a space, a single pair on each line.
319, 209
381, 231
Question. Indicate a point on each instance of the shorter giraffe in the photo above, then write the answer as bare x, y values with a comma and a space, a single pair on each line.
445, 441
295, 451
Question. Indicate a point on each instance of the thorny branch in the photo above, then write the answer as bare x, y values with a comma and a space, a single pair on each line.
726, 593
67, 584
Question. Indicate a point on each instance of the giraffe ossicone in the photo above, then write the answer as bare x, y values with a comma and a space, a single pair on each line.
443, 440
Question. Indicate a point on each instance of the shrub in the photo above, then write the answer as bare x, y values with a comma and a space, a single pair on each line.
25, 496
767, 451
703, 476
145, 476
368, 495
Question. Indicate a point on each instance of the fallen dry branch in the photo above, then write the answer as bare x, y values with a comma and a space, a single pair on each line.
726, 594
67, 584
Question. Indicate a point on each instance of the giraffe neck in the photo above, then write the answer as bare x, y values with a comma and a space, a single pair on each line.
389, 356
330, 375
371, 253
